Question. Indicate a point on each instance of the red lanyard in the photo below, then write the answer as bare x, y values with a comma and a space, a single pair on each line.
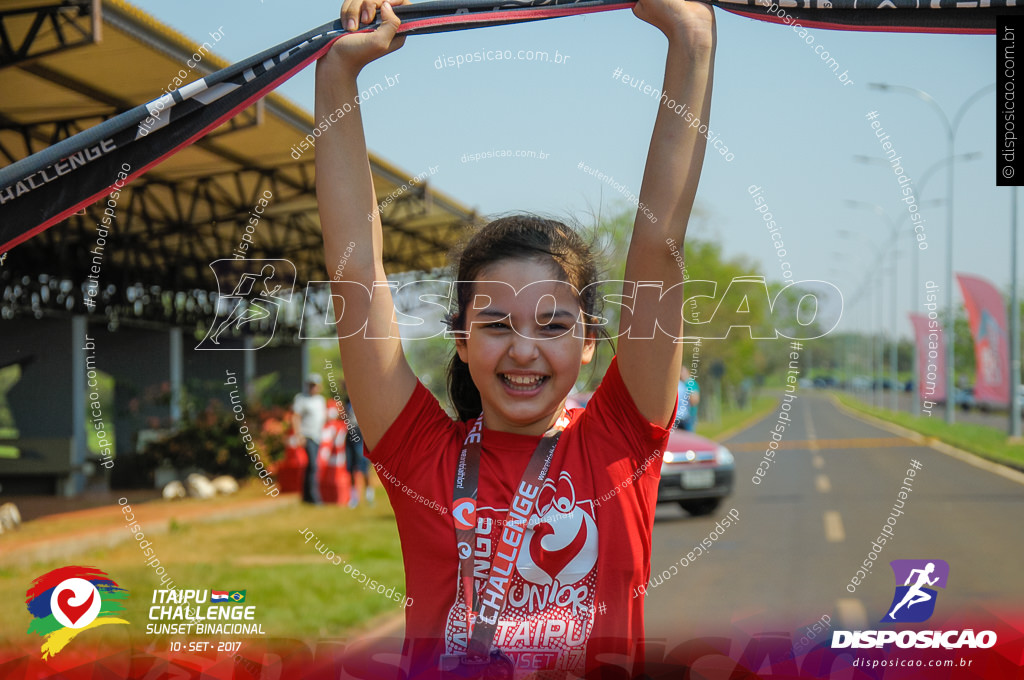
467, 477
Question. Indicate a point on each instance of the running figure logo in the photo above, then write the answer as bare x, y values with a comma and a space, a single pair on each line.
258, 291
914, 601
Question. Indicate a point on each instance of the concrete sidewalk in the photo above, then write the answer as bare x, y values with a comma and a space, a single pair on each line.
64, 535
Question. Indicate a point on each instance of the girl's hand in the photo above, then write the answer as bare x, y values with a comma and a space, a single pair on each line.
690, 21
356, 51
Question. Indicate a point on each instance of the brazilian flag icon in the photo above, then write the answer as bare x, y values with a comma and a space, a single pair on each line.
237, 596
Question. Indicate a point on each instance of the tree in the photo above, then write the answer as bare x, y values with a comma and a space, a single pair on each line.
728, 306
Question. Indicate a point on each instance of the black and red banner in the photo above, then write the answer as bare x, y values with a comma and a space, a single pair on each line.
45, 188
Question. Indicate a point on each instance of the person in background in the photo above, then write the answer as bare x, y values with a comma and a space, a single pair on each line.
356, 461
689, 397
309, 414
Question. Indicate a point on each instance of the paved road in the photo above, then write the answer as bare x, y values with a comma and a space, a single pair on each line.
804, 531
996, 419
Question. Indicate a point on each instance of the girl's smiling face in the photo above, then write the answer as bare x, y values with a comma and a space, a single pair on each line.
524, 350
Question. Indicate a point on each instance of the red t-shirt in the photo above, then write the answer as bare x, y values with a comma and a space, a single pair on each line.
570, 601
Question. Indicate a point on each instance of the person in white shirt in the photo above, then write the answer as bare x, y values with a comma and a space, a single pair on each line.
309, 414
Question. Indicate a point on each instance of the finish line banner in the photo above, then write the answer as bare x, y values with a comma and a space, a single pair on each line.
47, 187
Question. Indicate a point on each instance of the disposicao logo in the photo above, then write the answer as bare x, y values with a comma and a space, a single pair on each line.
260, 289
66, 601
917, 577
914, 602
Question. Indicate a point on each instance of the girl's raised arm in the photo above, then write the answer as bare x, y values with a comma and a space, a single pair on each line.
649, 358
379, 379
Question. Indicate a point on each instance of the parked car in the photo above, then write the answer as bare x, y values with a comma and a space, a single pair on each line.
696, 473
964, 398
860, 383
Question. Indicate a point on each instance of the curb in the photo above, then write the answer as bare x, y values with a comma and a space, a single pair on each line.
55, 548
736, 429
933, 443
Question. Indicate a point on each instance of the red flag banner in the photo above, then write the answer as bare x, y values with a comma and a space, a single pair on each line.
931, 358
986, 314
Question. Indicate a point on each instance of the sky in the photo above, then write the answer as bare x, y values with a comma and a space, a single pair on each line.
793, 128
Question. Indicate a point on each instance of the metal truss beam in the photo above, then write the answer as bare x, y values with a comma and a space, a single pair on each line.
163, 236
33, 32
40, 134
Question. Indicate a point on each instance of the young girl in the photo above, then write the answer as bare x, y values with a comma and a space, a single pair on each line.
547, 528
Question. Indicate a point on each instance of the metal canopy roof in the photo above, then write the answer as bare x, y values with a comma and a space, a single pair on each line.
66, 66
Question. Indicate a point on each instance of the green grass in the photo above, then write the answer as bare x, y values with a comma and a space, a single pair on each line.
9, 375
760, 407
296, 591
988, 442
105, 389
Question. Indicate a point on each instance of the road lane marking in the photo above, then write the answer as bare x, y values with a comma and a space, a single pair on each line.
818, 461
822, 484
851, 614
834, 527
930, 442
819, 444
812, 434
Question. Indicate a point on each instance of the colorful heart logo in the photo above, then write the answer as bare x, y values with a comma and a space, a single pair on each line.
73, 612
68, 600
75, 603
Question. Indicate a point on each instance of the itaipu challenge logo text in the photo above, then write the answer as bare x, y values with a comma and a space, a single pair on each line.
69, 600
179, 612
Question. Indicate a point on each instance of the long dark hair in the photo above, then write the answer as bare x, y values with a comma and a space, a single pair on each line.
526, 237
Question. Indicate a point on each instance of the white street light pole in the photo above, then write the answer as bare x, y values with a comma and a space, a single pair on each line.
951, 129
914, 283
